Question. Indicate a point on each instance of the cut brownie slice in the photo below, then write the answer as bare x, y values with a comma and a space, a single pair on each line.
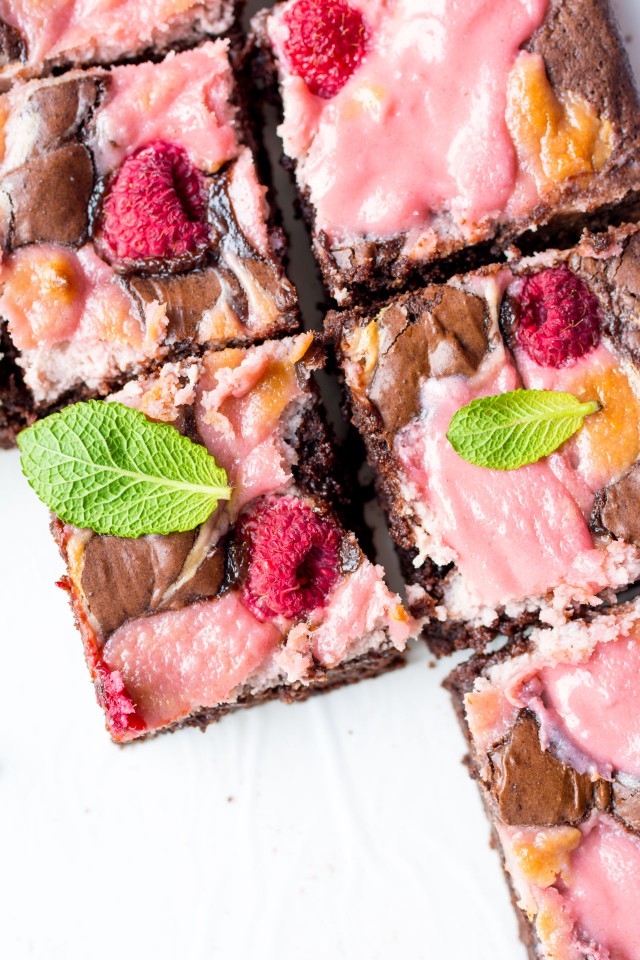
419, 130
554, 734
489, 550
133, 224
36, 37
272, 597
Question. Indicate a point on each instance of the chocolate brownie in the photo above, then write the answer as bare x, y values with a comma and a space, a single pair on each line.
36, 39
133, 226
489, 551
553, 728
272, 597
424, 137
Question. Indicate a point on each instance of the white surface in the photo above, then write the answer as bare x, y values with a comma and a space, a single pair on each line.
345, 827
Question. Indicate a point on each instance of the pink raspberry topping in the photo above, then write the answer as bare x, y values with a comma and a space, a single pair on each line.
327, 42
559, 318
117, 704
156, 205
294, 558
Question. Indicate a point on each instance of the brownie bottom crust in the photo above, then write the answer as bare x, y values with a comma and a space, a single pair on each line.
366, 667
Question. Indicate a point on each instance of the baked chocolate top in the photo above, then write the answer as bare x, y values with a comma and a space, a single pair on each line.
48, 197
438, 332
124, 579
532, 788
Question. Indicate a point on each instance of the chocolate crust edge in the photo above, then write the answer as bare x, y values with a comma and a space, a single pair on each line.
190, 36
365, 667
457, 684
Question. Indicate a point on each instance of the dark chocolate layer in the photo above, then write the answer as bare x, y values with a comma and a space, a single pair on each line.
12, 46
123, 578
438, 332
530, 786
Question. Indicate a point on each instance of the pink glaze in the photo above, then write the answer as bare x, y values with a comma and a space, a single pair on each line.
247, 196
238, 419
361, 604
587, 476
175, 662
109, 313
52, 296
504, 549
602, 888
594, 705
33, 278
185, 99
401, 142
62, 27
590, 909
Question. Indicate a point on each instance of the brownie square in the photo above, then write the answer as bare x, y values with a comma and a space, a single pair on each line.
423, 137
552, 727
489, 551
272, 597
36, 40
133, 226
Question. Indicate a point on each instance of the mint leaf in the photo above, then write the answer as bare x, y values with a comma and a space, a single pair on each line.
104, 466
513, 429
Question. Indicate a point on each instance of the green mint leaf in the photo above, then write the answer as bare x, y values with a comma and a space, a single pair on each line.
104, 466
513, 429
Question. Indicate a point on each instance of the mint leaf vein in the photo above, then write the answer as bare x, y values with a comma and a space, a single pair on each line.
107, 467
510, 430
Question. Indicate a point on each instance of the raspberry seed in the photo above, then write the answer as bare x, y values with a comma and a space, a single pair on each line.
294, 558
559, 318
156, 206
327, 41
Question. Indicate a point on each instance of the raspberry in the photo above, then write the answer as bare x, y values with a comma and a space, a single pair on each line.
293, 558
156, 206
559, 318
118, 705
327, 41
